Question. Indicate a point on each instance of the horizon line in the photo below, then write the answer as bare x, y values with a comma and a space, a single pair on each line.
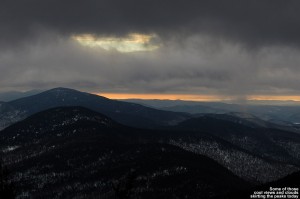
197, 97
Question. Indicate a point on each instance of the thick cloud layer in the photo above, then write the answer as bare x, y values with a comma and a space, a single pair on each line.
231, 47
255, 22
200, 66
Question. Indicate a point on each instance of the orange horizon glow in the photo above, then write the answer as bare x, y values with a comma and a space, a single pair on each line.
274, 97
193, 97
160, 96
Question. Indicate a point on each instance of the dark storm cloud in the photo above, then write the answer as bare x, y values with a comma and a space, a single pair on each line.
226, 47
191, 69
250, 22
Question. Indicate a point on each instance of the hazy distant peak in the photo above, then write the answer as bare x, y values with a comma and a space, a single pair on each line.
62, 90
13, 95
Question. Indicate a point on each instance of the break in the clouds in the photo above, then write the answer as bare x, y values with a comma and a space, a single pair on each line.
231, 47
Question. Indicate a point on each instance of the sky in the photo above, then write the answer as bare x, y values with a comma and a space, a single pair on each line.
208, 49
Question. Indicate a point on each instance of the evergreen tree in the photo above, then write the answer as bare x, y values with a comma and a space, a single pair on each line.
7, 189
125, 187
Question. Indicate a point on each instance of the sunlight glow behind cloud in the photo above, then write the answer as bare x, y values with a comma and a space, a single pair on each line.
195, 97
131, 43
188, 97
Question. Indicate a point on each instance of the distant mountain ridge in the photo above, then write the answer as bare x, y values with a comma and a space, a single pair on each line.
261, 139
12, 95
280, 113
67, 121
127, 113
78, 152
53, 120
9, 115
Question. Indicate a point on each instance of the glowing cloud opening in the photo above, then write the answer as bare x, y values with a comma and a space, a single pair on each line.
131, 43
